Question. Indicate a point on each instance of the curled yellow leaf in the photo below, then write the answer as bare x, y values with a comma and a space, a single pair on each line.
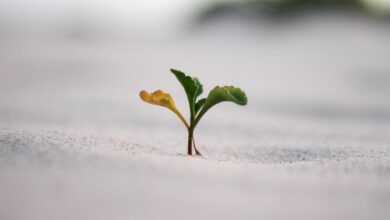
158, 98
161, 98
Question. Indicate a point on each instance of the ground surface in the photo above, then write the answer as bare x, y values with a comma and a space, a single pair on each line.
313, 142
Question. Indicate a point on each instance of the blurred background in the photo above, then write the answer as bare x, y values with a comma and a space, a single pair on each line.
165, 17
315, 71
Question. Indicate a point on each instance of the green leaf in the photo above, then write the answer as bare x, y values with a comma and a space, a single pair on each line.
192, 87
223, 94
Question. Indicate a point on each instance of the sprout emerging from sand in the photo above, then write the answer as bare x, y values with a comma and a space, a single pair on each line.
198, 106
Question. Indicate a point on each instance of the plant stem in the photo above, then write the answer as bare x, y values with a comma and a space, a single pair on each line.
182, 119
190, 141
196, 150
195, 122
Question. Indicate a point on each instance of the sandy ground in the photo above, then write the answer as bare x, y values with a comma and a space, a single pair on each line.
313, 143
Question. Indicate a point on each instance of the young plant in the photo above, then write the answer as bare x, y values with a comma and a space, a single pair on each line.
198, 106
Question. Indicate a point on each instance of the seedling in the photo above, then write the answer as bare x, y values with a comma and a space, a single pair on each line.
198, 106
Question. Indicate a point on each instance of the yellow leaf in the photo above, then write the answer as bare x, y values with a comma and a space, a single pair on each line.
161, 98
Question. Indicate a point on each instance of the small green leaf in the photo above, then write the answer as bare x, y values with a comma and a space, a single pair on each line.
223, 94
199, 104
192, 87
